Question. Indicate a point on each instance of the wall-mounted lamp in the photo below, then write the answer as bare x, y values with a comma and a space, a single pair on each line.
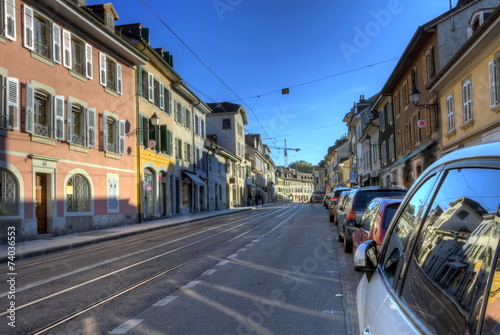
154, 120
415, 98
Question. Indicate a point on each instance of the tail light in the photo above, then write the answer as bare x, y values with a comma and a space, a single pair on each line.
351, 215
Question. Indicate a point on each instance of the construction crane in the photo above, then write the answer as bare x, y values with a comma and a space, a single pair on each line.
285, 150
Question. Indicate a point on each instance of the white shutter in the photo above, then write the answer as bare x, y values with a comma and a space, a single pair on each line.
121, 137
105, 131
91, 135
151, 87
69, 121
28, 27
56, 43
67, 49
102, 69
12, 99
119, 78
88, 61
29, 114
58, 113
10, 19
493, 84
162, 96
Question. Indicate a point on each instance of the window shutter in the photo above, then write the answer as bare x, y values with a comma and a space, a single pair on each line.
69, 121
10, 19
91, 137
88, 61
139, 80
56, 43
121, 136
66, 42
183, 115
140, 131
493, 84
12, 99
58, 110
119, 78
163, 138
169, 102
102, 69
30, 109
105, 131
28, 27
162, 96
150, 87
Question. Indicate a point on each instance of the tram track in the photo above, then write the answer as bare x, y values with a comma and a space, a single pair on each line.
227, 228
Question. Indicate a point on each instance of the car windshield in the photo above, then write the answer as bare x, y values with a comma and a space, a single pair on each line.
364, 198
389, 214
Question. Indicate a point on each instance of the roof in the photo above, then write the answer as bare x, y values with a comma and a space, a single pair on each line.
228, 108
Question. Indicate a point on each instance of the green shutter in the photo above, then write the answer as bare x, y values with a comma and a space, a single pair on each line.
163, 138
139, 80
140, 130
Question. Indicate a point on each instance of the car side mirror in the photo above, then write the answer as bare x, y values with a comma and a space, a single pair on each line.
365, 258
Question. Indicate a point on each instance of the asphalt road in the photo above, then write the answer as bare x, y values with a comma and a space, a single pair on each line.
276, 269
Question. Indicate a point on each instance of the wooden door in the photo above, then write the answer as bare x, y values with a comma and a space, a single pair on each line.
41, 202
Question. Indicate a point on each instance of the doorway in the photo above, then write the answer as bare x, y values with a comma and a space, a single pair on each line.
41, 202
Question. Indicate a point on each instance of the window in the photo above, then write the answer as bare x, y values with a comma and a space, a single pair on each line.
113, 134
391, 147
81, 125
78, 194
450, 112
9, 193
405, 93
226, 123
187, 119
41, 35
407, 222
429, 62
44, 114
494, 81
8, 19
178, 148
189, 153
166, 140
77, 55
110, 73
467, 100
454, 256
397, 104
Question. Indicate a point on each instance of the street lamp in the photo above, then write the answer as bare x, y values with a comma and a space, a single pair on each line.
155, 122
415, 98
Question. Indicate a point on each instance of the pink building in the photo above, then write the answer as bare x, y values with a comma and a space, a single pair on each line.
67, 103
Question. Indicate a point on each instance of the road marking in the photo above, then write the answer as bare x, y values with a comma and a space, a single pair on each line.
249, 245
232, 256
331, 311
126, 326
165, 301
222, 263
192, 284
209, 272
255, 241
243, 249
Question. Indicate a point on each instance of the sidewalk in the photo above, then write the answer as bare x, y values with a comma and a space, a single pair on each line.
48, 243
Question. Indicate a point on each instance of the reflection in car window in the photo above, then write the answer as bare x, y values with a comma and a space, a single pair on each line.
455, 251
369, 216
407, 223
389, 214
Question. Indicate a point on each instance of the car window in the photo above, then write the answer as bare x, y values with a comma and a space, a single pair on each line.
369, 215
389, 214
454, 253
364, 198
407, 223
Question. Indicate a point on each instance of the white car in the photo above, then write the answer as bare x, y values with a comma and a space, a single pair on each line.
438, 271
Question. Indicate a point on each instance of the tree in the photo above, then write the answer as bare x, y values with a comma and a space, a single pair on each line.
302, 166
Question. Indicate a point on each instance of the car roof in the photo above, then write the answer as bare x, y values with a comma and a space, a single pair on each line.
485, 150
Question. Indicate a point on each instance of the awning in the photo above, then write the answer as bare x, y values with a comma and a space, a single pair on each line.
412, 154
194, 178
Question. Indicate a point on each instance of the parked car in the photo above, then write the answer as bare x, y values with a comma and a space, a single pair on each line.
340, 206
438, 271
326, 198
375, 221
334, 200
316, 199
355, 205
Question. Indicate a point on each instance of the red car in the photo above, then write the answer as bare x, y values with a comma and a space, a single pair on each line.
375, 221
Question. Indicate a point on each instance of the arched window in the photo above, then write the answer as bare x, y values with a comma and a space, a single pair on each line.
9, 194
78, 194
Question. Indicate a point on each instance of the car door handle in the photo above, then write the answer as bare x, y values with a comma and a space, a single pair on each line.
366, 331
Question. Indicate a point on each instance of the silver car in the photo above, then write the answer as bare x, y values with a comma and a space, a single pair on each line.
438, 271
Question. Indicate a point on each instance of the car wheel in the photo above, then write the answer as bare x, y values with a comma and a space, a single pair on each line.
331, 218
347, 246
339, 237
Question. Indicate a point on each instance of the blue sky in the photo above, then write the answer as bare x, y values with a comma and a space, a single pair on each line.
327, 52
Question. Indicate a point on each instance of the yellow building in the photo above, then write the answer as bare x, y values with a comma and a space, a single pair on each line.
469, 87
